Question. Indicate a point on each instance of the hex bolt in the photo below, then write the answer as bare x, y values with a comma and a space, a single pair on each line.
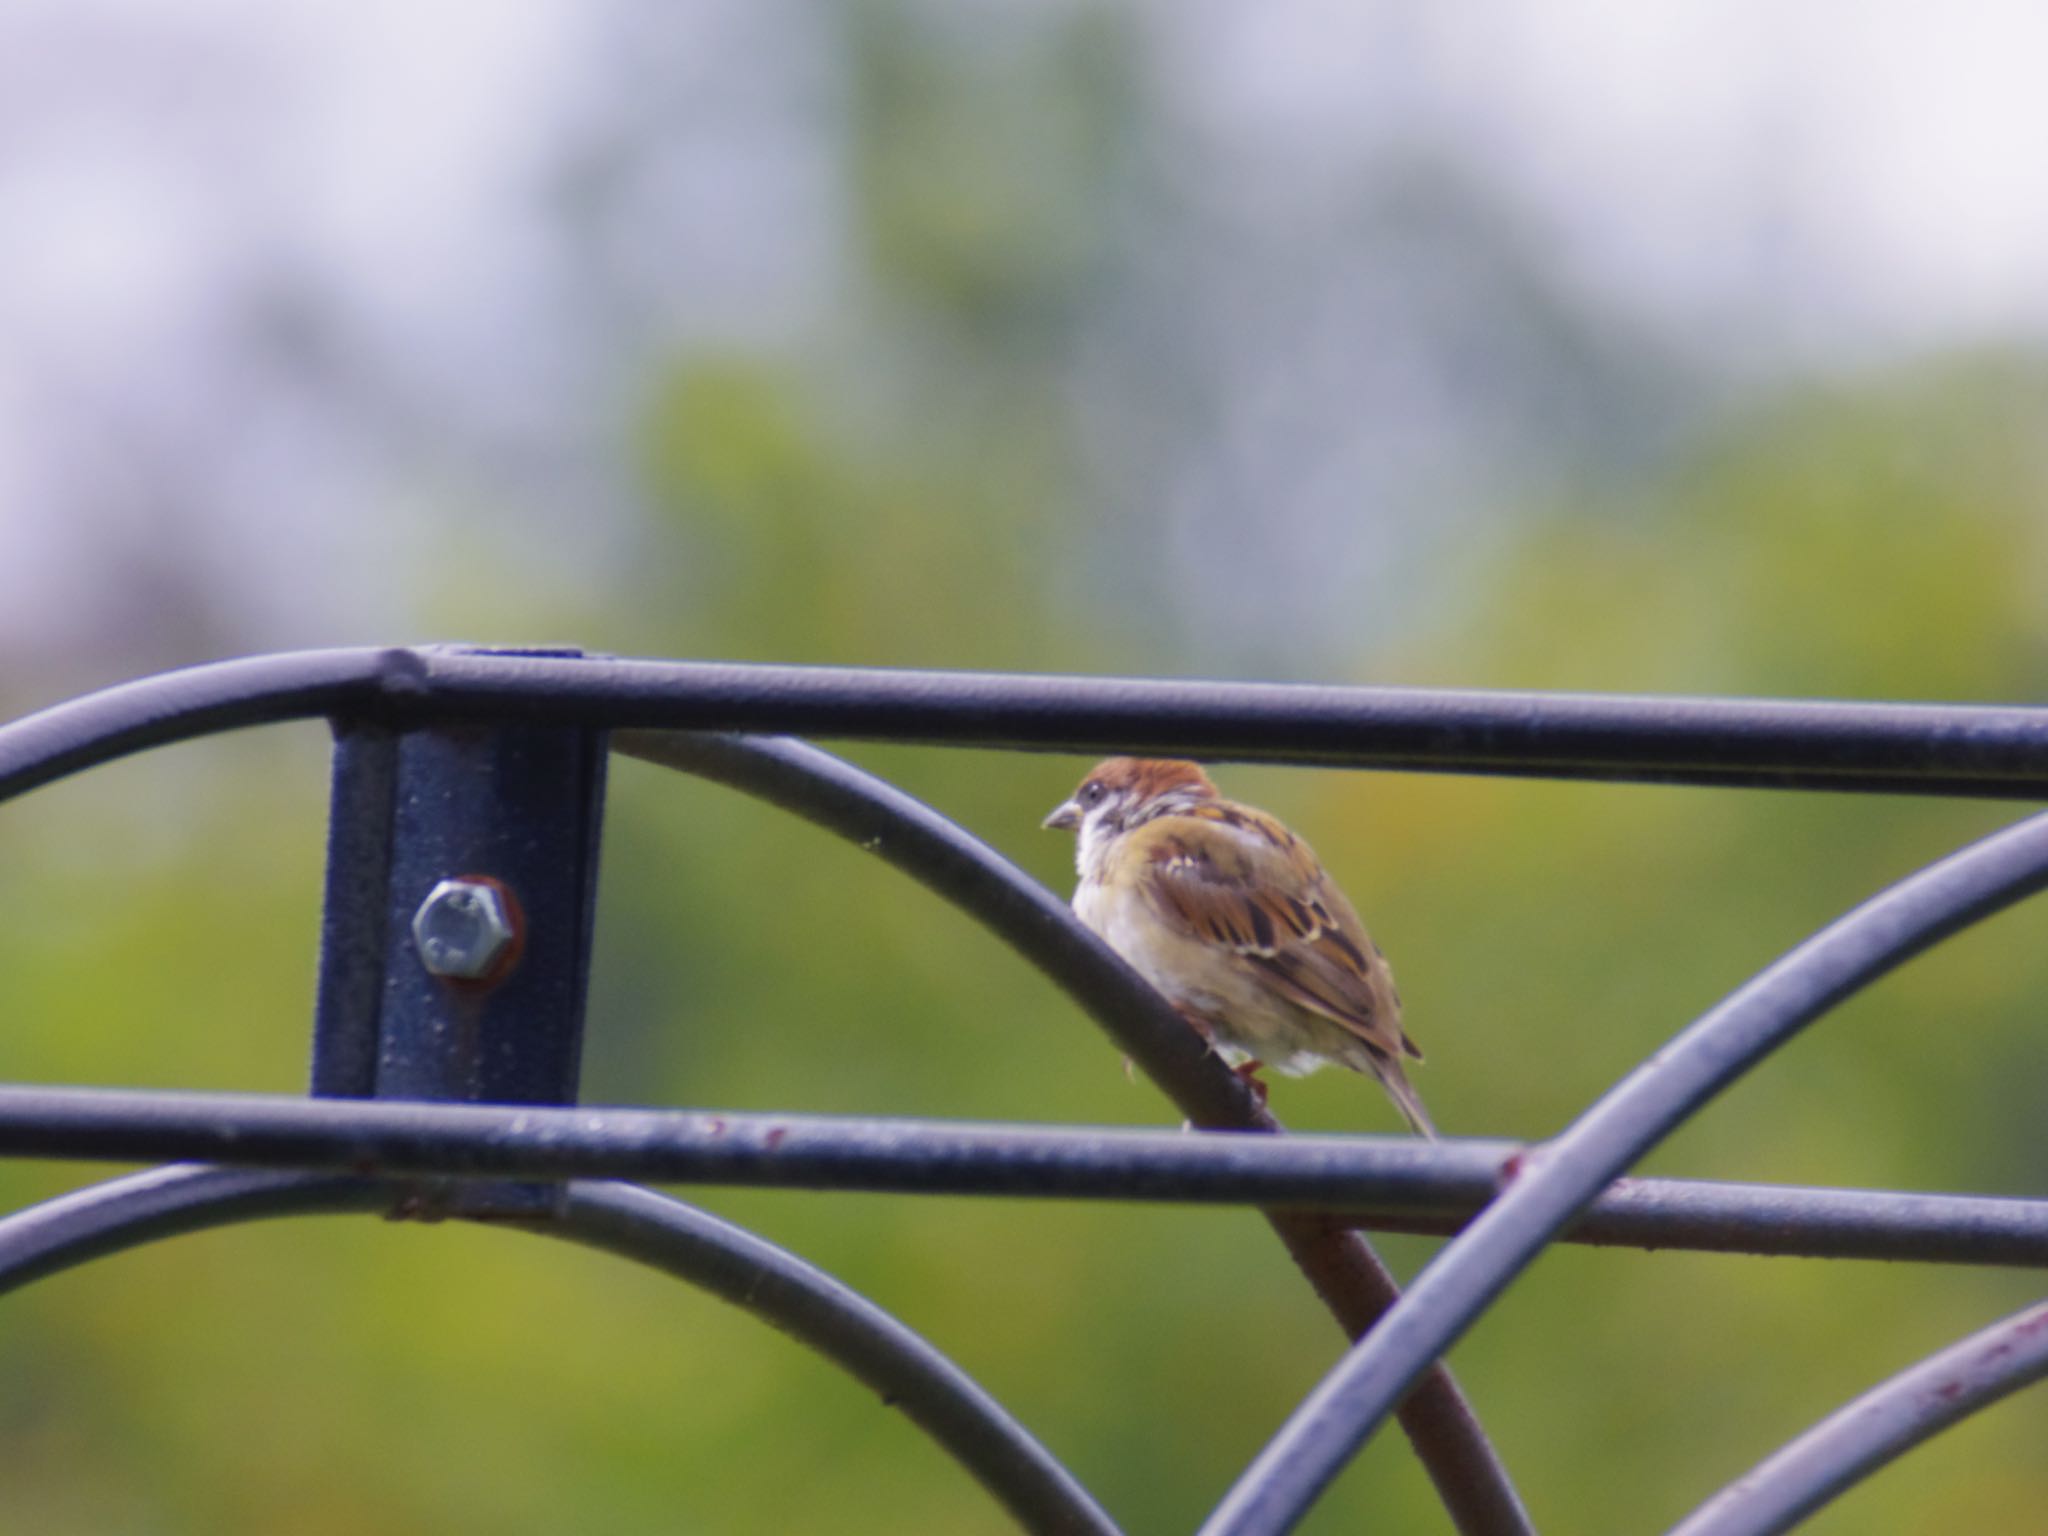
466, 929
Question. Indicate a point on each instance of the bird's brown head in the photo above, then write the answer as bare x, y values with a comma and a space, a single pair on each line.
1117, 788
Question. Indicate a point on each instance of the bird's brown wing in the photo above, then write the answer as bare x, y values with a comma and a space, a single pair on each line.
1240, 879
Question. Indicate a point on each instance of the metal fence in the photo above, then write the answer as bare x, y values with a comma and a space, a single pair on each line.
468, 789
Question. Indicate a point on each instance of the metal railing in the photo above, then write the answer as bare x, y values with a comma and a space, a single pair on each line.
466, 814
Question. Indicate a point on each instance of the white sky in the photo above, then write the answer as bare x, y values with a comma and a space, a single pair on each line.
1792, 186
1869, 170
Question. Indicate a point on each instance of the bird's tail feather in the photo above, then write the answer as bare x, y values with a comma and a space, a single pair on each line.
1405, 1098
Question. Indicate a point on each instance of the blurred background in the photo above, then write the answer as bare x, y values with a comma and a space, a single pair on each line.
1696, 348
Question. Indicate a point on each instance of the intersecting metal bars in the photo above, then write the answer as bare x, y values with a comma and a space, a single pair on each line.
1384, 1183
1565, 1174
1339, 1264
377, 697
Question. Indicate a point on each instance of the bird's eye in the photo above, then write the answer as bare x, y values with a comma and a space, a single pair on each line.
1092, 792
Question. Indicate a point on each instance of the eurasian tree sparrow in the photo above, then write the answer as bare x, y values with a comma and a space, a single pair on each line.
1230, 915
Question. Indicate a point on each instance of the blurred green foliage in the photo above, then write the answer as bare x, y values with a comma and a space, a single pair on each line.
1881, 537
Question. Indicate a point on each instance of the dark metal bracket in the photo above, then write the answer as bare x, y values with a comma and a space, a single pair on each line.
456, 932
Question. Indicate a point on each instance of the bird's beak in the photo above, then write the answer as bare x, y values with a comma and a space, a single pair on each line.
1067, 818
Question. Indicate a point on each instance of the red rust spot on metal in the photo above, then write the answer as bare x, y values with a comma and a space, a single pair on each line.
774, 1136
503, 966
1511, 1170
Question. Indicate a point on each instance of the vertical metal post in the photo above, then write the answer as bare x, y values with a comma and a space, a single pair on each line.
433, 829
517, 808
351, 987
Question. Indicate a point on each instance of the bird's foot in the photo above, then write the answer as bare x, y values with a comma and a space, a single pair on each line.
1247, 1072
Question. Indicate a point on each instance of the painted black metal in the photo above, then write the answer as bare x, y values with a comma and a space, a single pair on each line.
1560, 1178
199, 701
520, 805
756, 1276
356, 910
1340, 1264
1388, 1183
1786, 1221
1884, 1423
1978, 750
412, 724
1342, 1267
105, 1219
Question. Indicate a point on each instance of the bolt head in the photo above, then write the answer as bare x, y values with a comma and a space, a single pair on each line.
464, 929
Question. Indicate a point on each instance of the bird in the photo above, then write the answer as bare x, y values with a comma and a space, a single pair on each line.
1232, 917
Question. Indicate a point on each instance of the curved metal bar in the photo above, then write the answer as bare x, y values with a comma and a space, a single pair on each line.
1342, 1267
713, 1255
1384, 1183
965, 872
125, 1213
197, 701
845, 1327
1881, 1425
1558, 1179
1892, 748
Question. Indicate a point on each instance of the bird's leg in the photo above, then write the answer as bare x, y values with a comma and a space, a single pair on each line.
1247, 1072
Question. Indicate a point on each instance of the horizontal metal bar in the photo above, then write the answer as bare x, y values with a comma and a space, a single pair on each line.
1881, 1425
1788, 1221
1945, 749
752, 1274
1393, 1182
1926, 748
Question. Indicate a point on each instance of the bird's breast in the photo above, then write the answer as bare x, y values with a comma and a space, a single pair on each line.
1191, 973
